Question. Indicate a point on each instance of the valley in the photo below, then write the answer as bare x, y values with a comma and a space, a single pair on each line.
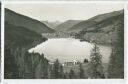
45, 50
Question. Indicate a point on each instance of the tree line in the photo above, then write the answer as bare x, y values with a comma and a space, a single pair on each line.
24, 65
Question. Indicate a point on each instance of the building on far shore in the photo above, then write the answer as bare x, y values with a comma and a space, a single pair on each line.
71, 63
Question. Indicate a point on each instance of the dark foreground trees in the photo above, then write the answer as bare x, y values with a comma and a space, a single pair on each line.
11, 68
96, 68
57, 71
81, 73
116, 64
25, 65
72, 74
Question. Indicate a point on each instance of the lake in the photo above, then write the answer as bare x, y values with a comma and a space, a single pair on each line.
69, 49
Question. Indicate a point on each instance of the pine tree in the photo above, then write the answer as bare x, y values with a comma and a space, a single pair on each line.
61, 72
66, 75
85, 60
36, 66
81, 74
45, 68
72, 74
10, 62
96, 68
55, 71
31, 61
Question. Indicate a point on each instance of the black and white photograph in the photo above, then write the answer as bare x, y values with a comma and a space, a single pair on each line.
64, 41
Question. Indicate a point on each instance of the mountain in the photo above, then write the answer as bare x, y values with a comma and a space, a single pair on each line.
16, 36
18, 40
21, 34
102, 28
95, 21
23, 21
52, 25
67, 25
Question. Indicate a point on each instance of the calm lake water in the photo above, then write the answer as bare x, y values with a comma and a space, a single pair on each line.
69, 49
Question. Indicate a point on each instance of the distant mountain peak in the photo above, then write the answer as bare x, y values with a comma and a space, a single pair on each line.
67, 25
51, 24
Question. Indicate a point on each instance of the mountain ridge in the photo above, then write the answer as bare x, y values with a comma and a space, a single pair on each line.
52, 25
94, 20
66, 25
21, 20
104, 31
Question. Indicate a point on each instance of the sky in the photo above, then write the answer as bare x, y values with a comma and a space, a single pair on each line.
63, 11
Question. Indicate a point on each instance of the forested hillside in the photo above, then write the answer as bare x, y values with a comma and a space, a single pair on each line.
101, 28
116, 65
52, 25
21, 34
67, 25
17, 42
20, 20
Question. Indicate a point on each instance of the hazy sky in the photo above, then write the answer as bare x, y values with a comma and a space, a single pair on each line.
63, 11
